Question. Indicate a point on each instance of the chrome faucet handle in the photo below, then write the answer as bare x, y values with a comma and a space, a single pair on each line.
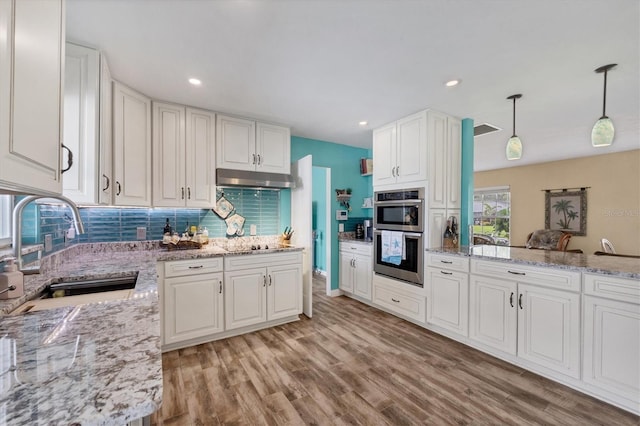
10, 288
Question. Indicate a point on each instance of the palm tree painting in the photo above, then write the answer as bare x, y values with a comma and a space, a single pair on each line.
566, 211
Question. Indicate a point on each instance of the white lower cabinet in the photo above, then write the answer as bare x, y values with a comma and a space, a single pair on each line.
399, 298
262, 288
448, 299
356, 269
545, 321
192, 300
611, 308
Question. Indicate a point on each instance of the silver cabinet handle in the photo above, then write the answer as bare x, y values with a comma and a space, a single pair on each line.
108, 182
446, 273
516, 273
196, 267
220, 291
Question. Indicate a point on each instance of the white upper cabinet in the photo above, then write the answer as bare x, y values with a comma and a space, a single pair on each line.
31, 81
183, 156
200, 158
444, 153
246, 145
399, 151
81, 124
169, 189
131, 147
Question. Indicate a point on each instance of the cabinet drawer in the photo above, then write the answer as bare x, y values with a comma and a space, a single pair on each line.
548, 277
180, 268
411, 306
356, 248
443, 261
622, 289
246, 261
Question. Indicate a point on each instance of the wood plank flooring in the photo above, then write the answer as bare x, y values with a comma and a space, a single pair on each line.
353, 364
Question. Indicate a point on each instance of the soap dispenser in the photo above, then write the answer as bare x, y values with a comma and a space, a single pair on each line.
11, 277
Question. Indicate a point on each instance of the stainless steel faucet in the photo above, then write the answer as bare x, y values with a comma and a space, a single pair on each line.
16, 238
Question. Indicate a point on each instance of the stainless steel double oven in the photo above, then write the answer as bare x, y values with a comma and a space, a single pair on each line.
400, 211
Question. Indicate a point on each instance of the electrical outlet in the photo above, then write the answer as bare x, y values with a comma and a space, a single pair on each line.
141, 233
252, 230
48, 242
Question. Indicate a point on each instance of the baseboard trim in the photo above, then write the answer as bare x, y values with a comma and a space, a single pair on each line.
320, 272
335, 293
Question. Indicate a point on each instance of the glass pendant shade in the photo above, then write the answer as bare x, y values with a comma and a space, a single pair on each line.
603, 132
514, 148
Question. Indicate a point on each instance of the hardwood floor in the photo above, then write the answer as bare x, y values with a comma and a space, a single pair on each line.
353, 364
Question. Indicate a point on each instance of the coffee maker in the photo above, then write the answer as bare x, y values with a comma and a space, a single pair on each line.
368, 230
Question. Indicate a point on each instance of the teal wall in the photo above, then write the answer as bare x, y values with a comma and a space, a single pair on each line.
344, 162
319, 219
466, 208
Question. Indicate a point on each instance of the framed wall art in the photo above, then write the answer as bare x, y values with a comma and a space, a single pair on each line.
566, 211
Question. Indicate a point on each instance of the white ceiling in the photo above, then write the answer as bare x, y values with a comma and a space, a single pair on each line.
322, 66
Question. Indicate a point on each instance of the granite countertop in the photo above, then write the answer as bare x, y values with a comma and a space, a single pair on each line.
609, 265
351, 237
98, 363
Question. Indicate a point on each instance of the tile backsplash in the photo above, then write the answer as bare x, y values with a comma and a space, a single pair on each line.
259, 207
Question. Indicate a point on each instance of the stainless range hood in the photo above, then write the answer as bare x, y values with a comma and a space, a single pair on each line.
227, 177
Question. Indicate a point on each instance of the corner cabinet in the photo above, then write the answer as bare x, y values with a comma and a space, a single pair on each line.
400, 151
31, 82
243, 144
262, 289
356, 269
131, 147
183, 153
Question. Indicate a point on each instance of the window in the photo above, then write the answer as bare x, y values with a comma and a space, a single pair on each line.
6, 204
492, 213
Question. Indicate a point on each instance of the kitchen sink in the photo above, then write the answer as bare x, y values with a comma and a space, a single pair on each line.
63, 288
69, 292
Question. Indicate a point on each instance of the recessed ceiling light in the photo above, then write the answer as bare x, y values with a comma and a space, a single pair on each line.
195, 81
363, 123
452, 83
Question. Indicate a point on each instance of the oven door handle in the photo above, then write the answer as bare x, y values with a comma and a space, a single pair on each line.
413, 235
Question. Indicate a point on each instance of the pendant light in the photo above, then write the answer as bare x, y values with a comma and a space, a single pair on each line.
514, 145
603, 131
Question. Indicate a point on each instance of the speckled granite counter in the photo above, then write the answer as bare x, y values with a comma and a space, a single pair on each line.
94, 364
609, 265
351, 237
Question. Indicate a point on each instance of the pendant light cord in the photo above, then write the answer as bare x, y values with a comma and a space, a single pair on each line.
604, 97
514, 116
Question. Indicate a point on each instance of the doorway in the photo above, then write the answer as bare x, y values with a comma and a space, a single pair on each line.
321, 218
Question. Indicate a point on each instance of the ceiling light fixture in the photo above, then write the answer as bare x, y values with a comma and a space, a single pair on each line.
363, 123
195, 81
452, 83
514, 145
603, 131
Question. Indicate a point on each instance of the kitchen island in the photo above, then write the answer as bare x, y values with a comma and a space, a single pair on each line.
98, 363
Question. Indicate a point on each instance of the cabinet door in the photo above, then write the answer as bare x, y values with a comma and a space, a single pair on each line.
384, 155
245, 298
235, 143
31, 79
437, 226
346, 272
411, 148
493, 312
284, 291
131, 147
81, 119
201, 150
362, 275
448, 299
273, 149
437, 154
106, 140
454, 162
169, 189
193, 307
549, 328
610, 326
